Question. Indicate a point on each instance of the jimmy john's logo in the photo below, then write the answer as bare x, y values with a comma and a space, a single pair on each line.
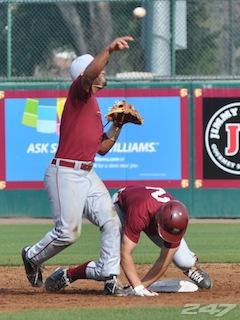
222, 138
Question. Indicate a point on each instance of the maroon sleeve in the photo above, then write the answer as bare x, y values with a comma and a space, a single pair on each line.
131, 234
171, 245
77, 92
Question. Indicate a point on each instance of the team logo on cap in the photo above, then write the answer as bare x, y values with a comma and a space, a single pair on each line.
222, 138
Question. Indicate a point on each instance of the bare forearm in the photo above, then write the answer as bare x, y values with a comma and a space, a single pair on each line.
154, 274
109, 138
159, 267
100, 61
130, 271
97, 65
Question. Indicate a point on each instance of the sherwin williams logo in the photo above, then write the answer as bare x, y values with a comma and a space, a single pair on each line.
222, 138
43, 114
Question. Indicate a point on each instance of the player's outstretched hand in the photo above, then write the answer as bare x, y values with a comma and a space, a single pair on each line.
144, 292
120, 44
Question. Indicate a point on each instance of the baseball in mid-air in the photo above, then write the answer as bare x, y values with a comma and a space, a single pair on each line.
139, 12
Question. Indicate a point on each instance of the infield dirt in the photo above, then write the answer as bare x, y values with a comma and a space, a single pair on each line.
16, 293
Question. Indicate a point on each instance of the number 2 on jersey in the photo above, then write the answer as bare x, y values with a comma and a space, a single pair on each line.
158, 194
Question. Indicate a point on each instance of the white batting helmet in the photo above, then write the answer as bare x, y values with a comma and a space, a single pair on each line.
80, 64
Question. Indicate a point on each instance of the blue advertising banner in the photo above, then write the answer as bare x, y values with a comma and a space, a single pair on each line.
151, 151
30, 143
155, 152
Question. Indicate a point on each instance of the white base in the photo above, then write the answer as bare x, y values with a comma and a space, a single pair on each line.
173, 286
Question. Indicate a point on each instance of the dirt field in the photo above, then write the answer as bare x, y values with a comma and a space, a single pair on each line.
17, 294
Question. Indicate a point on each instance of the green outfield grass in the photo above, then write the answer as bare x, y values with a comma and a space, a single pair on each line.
211, 242
164, 313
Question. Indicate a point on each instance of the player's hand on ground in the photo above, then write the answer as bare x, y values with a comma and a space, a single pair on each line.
143, 292
120, 44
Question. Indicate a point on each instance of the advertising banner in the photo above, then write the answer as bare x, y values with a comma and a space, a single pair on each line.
217, 128
154, 153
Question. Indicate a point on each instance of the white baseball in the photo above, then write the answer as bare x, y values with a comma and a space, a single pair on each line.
139, 12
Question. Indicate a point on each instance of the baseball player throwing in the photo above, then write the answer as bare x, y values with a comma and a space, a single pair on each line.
164, 220
71, 182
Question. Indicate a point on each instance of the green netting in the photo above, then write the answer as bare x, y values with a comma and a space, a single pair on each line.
176, 38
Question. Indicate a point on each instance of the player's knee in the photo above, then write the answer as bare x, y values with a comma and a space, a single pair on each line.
185, 262
112, 226
67, 236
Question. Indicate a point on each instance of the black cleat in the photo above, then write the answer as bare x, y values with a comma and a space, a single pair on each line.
113, 287
199, 277
33, 272
57, 281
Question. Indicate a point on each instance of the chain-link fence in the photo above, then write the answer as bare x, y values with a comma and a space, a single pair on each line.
176, 38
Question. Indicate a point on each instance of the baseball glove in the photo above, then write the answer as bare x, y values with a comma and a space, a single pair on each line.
122, 112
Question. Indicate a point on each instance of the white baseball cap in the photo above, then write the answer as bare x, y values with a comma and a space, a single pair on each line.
80, 64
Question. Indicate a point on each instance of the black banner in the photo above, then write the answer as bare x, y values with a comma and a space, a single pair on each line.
221, 131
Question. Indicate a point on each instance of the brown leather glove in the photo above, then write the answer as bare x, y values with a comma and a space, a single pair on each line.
122, 112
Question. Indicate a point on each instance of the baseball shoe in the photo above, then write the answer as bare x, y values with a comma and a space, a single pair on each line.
57, 281
113, 287
199, 277
33, 272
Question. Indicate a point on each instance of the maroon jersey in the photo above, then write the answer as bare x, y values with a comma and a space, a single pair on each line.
141, 204
81, 127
